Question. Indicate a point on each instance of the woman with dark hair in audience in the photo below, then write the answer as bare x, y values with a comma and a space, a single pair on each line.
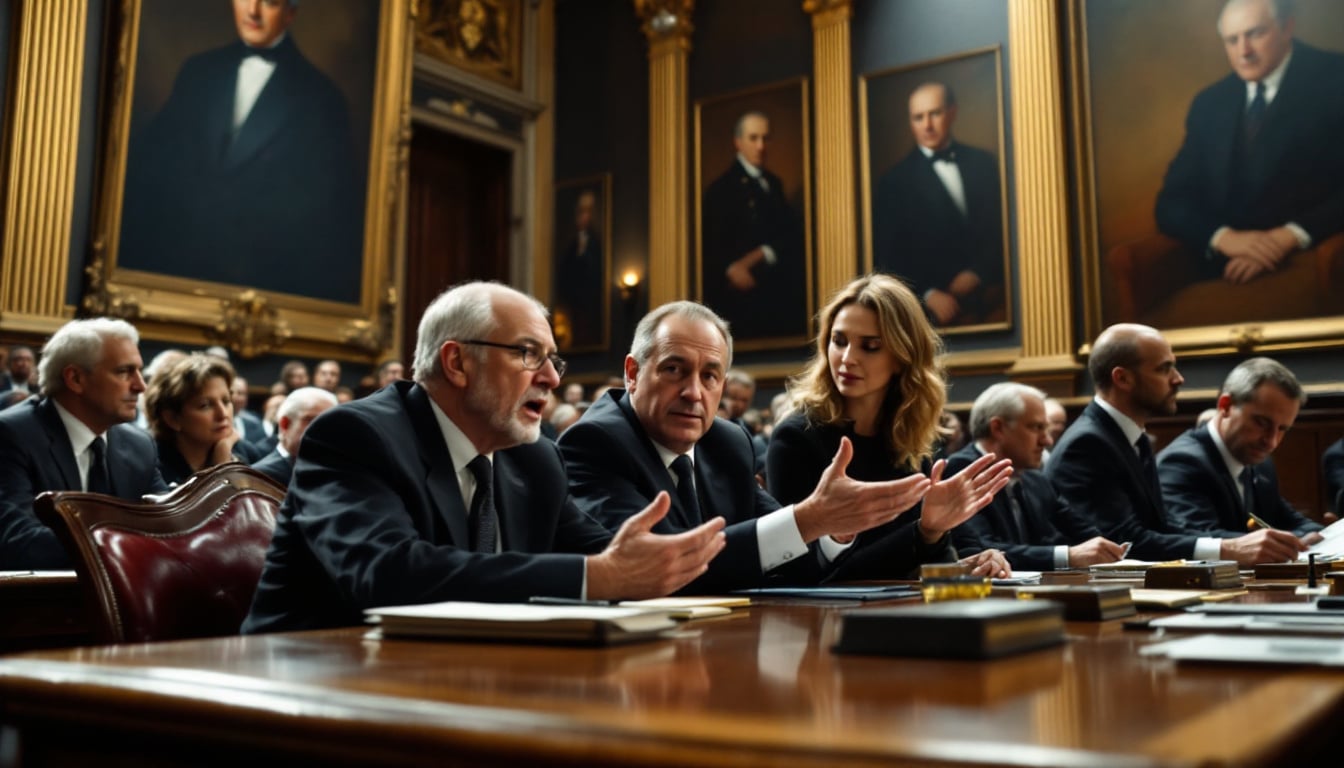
875, 379
190, 412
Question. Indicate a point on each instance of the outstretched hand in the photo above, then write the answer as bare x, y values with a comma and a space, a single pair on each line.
640, 564
842, 506
952, 501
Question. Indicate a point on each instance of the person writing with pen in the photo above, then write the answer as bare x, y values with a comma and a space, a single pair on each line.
1219, 479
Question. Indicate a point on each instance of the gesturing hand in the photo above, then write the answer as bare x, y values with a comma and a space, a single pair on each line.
842, 506
951, 502
639, 563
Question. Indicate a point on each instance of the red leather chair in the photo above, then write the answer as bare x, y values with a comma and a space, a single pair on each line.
185, 565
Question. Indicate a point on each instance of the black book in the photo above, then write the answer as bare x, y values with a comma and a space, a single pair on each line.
957, 629
1082, 602
1194, 574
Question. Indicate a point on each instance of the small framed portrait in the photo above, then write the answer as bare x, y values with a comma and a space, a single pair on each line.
483, 37
251, 147
934, 186
1211, 174
753, 203
581, 274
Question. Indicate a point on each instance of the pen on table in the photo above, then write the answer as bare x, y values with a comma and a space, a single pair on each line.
543, 600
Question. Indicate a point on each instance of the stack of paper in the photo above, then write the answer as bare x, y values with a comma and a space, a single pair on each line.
1125, 569
1251, 649
690, 607
581, 625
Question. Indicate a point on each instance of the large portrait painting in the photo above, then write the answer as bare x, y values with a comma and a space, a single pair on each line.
934, 186
753, 210
247, 150
581, 293
1213, 171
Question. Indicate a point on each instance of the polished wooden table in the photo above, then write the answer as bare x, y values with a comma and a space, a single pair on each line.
41, 609
758, 688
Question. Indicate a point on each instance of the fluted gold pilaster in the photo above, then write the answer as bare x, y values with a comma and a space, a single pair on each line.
667, 25
1042, 197
836, 224
40, 188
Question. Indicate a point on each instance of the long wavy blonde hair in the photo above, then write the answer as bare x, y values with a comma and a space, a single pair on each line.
908, 419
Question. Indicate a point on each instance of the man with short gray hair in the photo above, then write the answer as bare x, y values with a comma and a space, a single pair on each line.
75, 437
1028, 521
297, 411
1220, 478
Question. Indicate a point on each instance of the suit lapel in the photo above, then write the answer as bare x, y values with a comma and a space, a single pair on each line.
1131, 460
271, 110
440, 478
58, 446
660, 478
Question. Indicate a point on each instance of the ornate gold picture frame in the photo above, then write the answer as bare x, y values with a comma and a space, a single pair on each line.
277, 289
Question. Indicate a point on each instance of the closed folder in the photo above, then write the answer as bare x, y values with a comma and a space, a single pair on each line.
957, 629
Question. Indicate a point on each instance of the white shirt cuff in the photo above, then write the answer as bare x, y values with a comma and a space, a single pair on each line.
1061, 557
1303, 239
769, 254
1208, 548
831, 549
778, 540
1217, 233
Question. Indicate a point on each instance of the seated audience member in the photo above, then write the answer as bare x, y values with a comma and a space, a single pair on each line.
1216, 477
1104, 469
390, 371
19, 376
954, 433
874, 387
739, 390
1028, 520
297, 411
344, 394
327, 375
1057, 418
573, 393
293, 375
190, 411
1332, 468
270, 419
661, 435
245, 421
77, 436
563, 417
438, 489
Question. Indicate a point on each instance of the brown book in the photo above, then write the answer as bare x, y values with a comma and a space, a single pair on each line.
1194, 574
1067, 576
1081, 602
957, 629
1296, 570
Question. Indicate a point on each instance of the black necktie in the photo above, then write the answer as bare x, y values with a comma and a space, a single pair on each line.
685, 472
945, 153
1149, 468
1015, 506
266, 54
1255, 114
1248, 490
98, 479
484, 522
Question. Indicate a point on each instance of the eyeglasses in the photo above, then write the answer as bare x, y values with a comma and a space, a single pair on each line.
533, 359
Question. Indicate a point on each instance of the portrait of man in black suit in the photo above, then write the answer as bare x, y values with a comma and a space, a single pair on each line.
581, 284
753, 252
248, 173
937, 217
1260, 174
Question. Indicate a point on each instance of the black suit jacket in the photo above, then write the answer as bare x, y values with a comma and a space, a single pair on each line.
921, 235
1294, 171
615, 471
1097, 472
1332, 466
276, 467
279, 206
1202, 497
374, 516
1048, 519
36, 456
739, 216
800, 452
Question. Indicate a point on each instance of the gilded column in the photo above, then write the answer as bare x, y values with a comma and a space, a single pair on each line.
667, 25
1045, 271
40, 186
836, 224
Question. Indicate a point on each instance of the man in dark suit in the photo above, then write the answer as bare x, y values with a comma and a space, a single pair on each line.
1104, 469
76, 437
438, 489
581, 284
247, 423
661, 434
249, 169
19, 377
1332, 467
1217, 478
752, 243
938, 217
1260, 174
1027, 521
297, 412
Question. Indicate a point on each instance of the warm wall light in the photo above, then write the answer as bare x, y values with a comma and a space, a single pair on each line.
629, 284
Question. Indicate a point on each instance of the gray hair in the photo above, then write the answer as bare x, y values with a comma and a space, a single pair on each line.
740, 377
641, 346
738, 127
1250, 375
465, 311
1281, 10
78, 342
1005, 400
302, 399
